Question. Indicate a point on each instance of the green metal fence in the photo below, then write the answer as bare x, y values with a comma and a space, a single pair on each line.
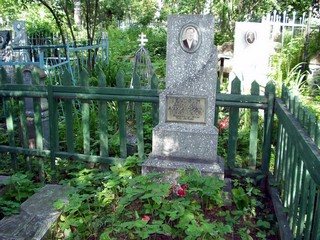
297, 166
73, 106
77, 104
82, 120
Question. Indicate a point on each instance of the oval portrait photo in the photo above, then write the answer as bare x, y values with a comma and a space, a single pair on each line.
250, 37
190, 38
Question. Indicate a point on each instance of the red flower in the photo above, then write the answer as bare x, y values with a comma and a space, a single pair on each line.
184, 186
182, 192
223, 124
146, 218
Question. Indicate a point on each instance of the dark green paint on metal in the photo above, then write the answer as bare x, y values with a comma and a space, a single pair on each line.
66, 79
122, 117
233, 126
253, 144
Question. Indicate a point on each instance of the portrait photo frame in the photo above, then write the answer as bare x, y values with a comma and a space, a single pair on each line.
250, 37
187, 31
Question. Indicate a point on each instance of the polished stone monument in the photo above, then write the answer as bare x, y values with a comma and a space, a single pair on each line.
186, 137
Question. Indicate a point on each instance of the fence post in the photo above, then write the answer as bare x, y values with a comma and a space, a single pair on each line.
23, 118
53, 128
85, 113
68, 114
255, 90
122, 118
268, 124
216, 112
8, 112
139, 118
233, 126
103, 119
155, 106
38, 124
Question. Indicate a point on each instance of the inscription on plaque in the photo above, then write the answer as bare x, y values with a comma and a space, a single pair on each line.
186, 109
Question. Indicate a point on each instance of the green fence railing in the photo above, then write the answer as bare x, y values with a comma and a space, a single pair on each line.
297, 165
94, 124
78, 118
78, 127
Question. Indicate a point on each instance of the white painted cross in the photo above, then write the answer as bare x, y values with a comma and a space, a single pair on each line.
142, 40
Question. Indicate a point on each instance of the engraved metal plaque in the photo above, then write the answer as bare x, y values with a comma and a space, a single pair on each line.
186, 109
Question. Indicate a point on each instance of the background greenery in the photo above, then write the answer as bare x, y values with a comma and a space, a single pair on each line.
98, 15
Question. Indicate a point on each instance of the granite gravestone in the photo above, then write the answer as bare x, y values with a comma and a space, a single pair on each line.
186, 136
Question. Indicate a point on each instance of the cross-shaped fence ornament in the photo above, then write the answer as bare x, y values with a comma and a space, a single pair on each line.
142, 40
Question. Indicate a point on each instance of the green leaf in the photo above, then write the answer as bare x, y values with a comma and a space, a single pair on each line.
264, 224
166, 228
58, 204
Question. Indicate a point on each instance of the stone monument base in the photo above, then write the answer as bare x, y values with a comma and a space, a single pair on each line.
169, 167
197, 142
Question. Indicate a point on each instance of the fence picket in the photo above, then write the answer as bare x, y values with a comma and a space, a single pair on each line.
310, 210
53, 125
233, 126
68, 114
139, 118
216, 113
23, 118
298, 193
293, 186
295, 106
155, 106
286, 171
122, 117
316, 223
255, 90
103, 119
85, 114
38, 124
312, 126
268, 125
303, 201
317, 137
8, 113
305, 118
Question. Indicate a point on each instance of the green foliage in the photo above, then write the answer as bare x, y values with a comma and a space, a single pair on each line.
295, 5
124, 45
144, 11
39, 23
240, 198
283, 61
148, 207
11, 9
119, 204
19, 187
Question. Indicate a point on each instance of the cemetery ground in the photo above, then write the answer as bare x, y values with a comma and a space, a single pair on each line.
119, 203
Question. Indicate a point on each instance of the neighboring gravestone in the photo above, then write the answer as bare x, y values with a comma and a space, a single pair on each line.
186, 136
37, 214
5, 39
252, 48
20, 39
314, 70
20, 33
